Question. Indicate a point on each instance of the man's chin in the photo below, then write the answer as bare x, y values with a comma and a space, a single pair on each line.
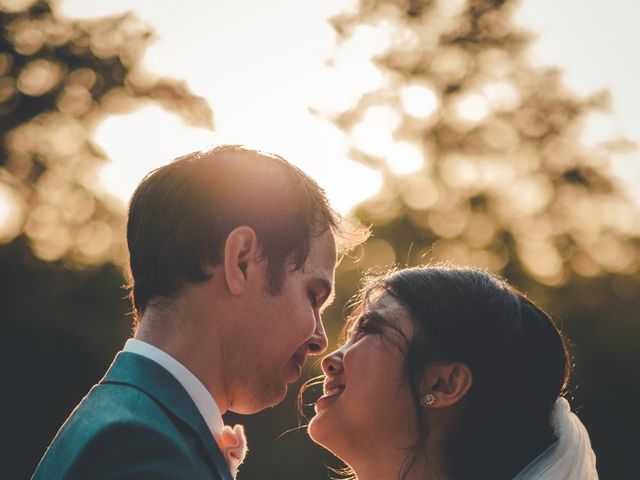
273, 398
268, 397
280, 396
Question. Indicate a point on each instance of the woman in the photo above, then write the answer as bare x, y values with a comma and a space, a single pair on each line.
450, 373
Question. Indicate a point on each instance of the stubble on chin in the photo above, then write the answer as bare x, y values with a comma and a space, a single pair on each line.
270, 394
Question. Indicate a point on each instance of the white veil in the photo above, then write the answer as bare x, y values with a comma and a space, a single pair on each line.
569, 458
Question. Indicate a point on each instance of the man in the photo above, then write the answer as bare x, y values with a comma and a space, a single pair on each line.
232, 256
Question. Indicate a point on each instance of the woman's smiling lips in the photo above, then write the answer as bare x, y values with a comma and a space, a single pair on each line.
332, 389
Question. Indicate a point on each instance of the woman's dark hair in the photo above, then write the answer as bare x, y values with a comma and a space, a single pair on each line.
181, 214
518, 358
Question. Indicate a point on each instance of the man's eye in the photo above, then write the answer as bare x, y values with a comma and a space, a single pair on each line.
313, 296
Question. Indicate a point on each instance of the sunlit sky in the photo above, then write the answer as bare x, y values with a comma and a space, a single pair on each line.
262, 64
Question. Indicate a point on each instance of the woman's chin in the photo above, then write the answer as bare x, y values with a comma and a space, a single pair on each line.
319, 430
313, 429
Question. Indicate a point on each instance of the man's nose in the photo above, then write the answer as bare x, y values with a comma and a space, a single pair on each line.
318, 342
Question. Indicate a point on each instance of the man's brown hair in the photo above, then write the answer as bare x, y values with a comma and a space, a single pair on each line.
181, 214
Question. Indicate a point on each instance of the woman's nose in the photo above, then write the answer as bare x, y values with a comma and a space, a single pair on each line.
332, 363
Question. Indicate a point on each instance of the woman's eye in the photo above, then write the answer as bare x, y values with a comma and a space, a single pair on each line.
362, 329
366, 327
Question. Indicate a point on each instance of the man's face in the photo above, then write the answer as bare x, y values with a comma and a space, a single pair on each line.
281, 330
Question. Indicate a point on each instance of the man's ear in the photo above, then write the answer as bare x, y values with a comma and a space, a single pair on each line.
448, 383
241, 254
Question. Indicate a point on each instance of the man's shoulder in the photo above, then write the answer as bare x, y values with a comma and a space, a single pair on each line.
110, 405
108, 425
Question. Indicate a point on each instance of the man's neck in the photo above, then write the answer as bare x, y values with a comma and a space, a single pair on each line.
190, 348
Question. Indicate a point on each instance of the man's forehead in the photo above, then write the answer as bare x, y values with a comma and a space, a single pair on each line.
322, 258
262, 153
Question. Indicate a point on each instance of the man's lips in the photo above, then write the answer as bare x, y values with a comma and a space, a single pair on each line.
297, 362
300, 358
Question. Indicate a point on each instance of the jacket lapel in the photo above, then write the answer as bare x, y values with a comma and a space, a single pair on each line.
146, 375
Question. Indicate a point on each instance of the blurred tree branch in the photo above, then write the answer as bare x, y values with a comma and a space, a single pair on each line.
59, 78
503, 180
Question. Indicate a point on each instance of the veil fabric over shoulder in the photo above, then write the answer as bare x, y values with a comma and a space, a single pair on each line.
570, 457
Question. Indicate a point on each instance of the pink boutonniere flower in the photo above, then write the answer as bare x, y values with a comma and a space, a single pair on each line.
233, 444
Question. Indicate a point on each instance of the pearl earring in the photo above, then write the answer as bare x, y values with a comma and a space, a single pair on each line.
428, 400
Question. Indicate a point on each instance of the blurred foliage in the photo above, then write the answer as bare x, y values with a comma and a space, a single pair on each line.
502, 179
483, 163
59, 78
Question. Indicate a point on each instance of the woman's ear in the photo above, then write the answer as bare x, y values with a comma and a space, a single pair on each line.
445, 384
241, 254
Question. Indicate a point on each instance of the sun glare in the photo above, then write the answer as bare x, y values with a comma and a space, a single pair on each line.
142, 141
253, 103
374, 133
150, 137
260, 87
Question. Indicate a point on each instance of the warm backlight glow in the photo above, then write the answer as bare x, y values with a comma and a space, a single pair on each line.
261, 85
141, 148
374, 133
11, 213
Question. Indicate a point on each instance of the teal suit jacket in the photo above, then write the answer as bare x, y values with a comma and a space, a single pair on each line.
137, 423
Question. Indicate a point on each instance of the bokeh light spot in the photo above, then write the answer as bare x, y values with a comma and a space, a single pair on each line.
405, 158
377, 254
38, 77
473, 108
419, 100
420, 192
16, 5
501, 95
374, 133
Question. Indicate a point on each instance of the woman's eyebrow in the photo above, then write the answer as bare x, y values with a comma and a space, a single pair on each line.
371, 316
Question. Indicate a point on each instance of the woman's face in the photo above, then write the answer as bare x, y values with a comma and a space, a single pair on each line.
367, 402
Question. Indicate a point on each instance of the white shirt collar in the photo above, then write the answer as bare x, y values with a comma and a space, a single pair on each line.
203, 400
